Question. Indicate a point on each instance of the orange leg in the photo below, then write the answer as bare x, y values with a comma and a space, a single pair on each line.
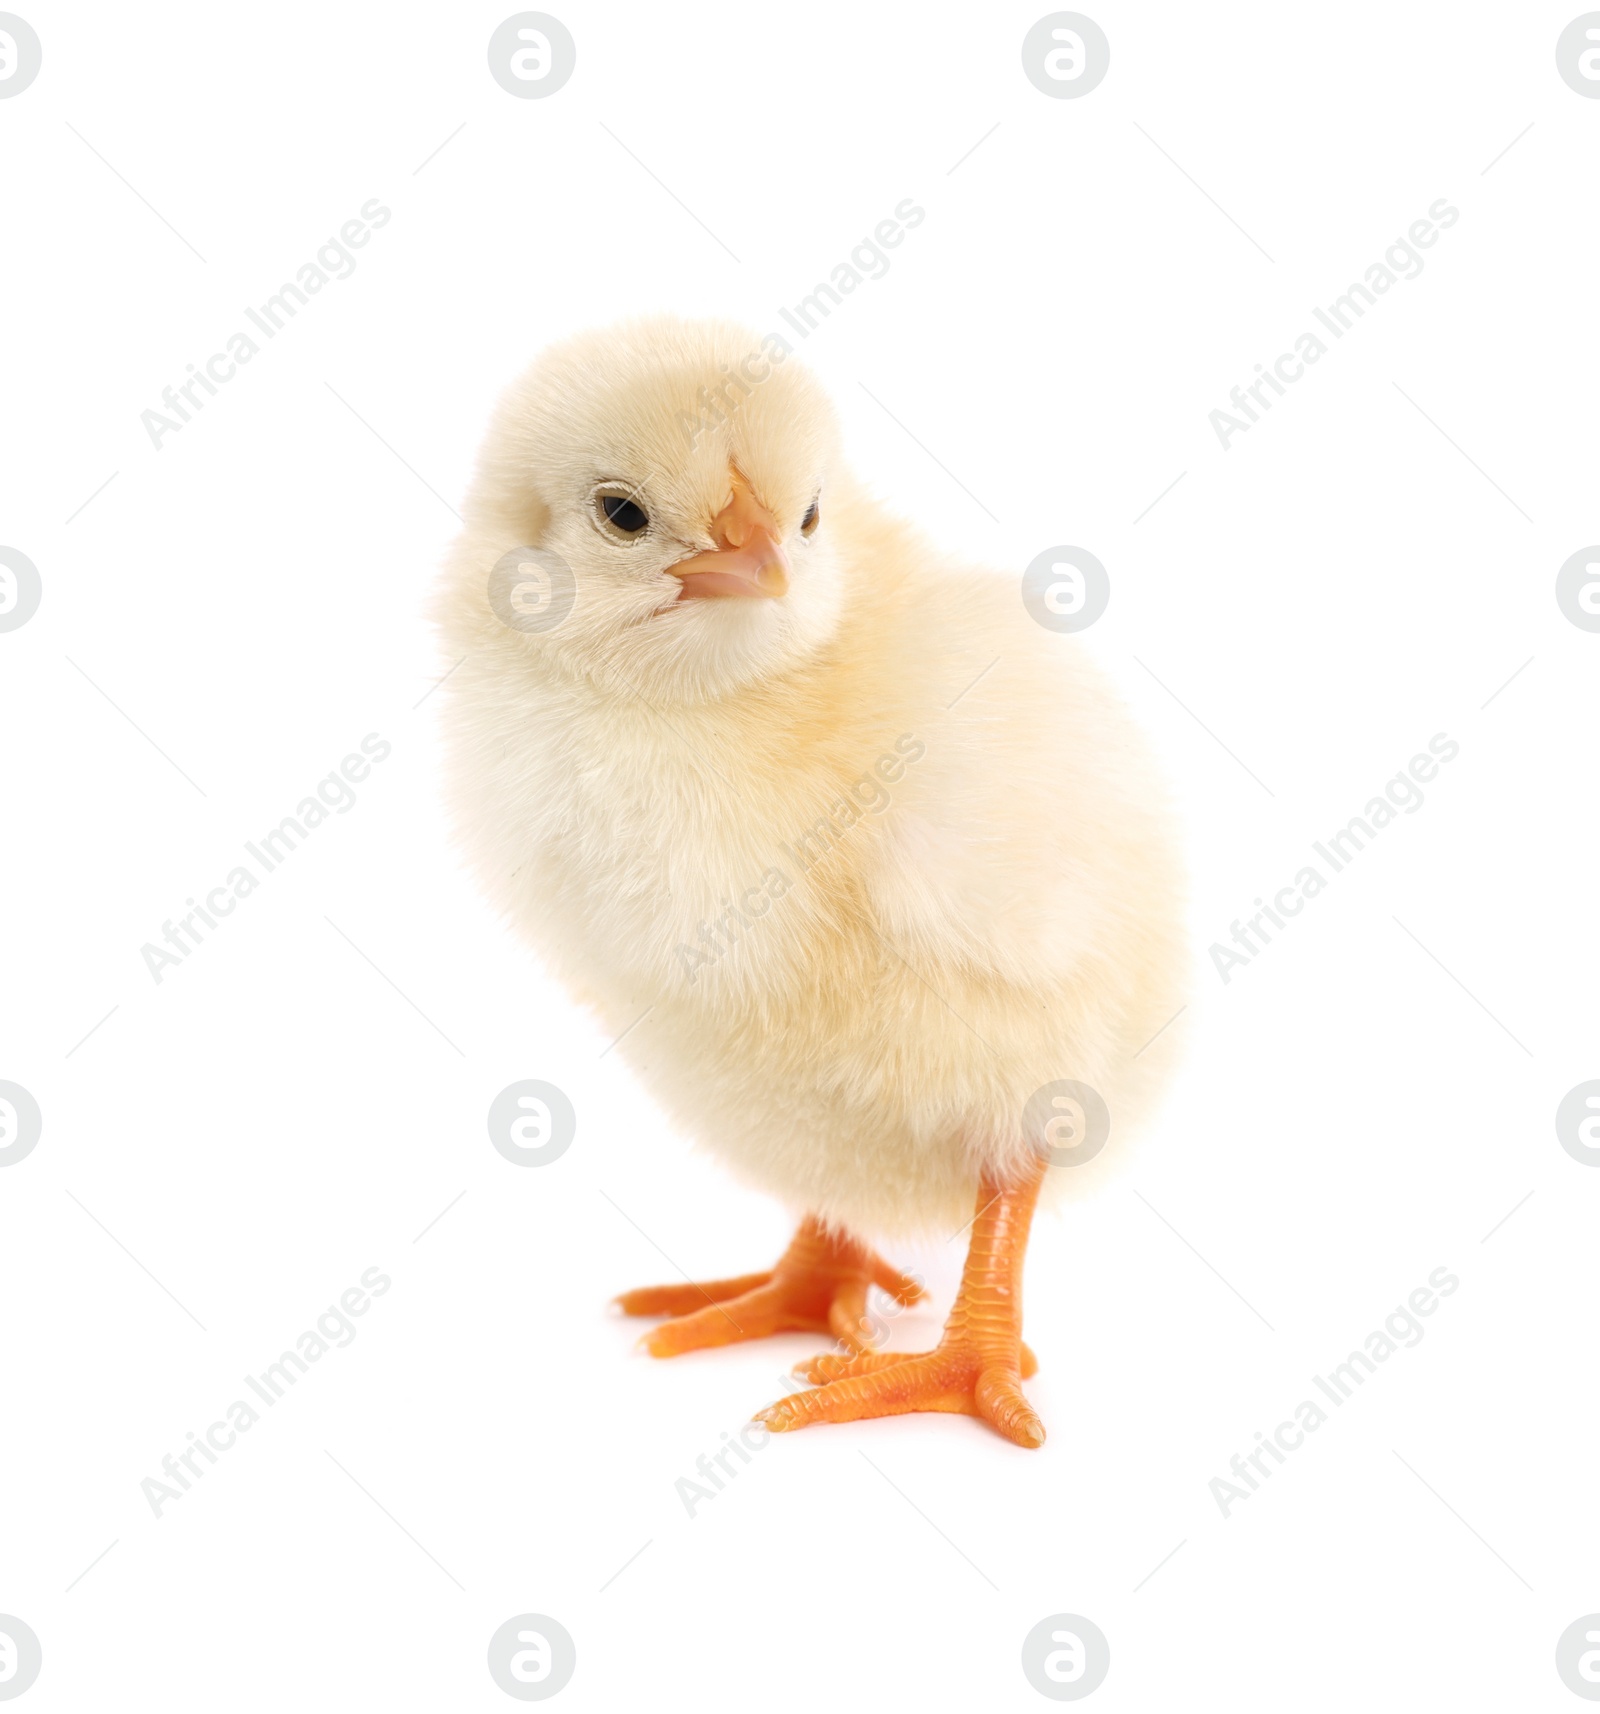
979, 1363
819, 1286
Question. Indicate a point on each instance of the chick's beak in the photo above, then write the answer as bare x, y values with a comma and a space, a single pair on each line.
749, 559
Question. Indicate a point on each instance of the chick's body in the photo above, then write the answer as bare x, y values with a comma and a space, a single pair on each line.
851, 880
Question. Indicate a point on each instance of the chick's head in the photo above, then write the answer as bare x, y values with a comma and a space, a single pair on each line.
679, 474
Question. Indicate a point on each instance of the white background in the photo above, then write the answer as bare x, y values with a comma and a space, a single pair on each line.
1358, 1106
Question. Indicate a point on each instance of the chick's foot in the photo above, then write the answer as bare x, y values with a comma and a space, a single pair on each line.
819, 1286
978, 1366
833, 1367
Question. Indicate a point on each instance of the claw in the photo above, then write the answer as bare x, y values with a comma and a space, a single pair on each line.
819, 1286
892, 1384
686, 1298
979, 1365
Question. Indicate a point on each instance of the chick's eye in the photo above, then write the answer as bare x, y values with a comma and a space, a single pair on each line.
623, 514
808, 523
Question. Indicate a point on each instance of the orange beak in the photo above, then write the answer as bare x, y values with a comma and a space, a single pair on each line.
749, 559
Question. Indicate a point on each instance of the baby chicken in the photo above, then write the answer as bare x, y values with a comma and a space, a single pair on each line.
866, 871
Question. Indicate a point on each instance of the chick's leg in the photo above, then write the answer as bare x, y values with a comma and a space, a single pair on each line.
819, 1286
978, 1365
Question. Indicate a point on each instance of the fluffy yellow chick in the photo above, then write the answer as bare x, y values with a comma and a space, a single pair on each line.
861, 863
